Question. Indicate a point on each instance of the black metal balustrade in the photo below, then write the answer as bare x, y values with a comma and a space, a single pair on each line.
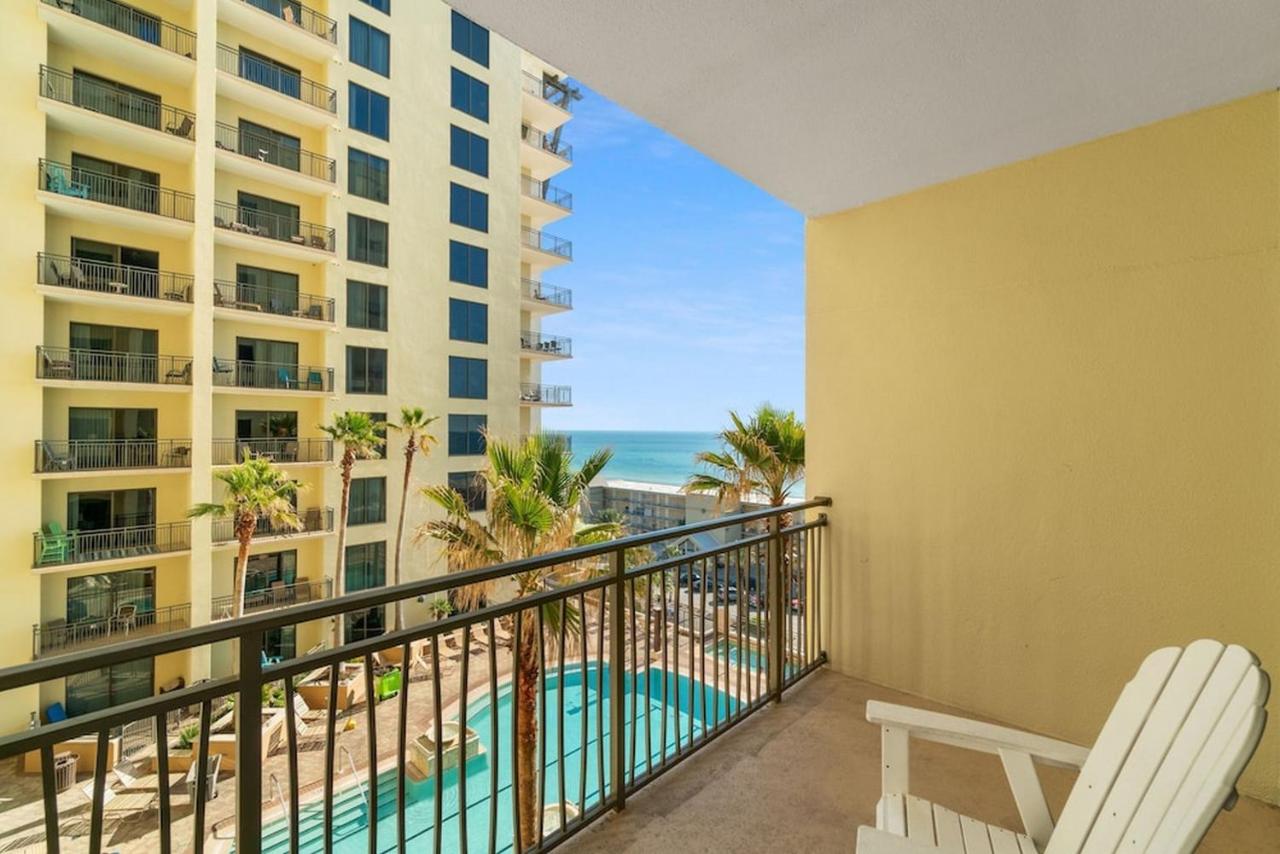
111, 366
633, 659
273, 375
67, 180
550, 294
258, 298
546, 345
268, 149
84, 274
550, 395
120, 621
289, 449
549, 143
544, 242
275, 77
272, 226
278, 595
544, 191
314, 521
72, 455
116, 101
293, 12
132, 22
56, 547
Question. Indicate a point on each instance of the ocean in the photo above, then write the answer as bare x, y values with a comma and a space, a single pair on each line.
657, 457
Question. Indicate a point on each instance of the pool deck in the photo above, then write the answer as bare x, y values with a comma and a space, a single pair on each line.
804, 774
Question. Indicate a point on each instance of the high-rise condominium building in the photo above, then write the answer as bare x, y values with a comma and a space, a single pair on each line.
227, 220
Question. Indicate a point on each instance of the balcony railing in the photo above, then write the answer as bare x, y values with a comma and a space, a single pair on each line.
277, 78
550, 395
132, 22
115, 101
55, 547
543, 242
258, 298
546, 345
227, 452
273, 375
83, 274
547, 142
111, 366
550, 294
639, 672
272, 226
541, 87
278, 595
293, 12
70, 455
544, 191
268, 149
67, 180
59, 636
314, 520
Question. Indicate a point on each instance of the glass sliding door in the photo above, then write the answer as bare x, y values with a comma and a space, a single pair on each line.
115, 353
264, 363
109, 686
269, 217
270, 146
112, 438
366, 568
274, 434
274, 290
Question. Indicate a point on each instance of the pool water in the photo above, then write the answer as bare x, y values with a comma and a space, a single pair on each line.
755, 660
689, 704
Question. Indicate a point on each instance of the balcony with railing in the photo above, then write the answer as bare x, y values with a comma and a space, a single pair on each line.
265, 230
283, 86
84, 276
253, 150
120, 619
541, 297
278, 595
79, 365
54, 547
299, 17
70, 185
69, 456
271, 376
547, 142
546, 193
287, 450
546, 103
544, 249
315, 520
536, 394
116, 102
147, 28
541, 346
260, 300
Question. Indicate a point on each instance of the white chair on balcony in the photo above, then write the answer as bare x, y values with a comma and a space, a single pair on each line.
1166, 761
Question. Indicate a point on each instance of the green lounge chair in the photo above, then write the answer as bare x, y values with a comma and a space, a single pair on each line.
54, 544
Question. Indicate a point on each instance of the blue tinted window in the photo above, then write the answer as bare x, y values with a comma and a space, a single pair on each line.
470, 39
366, 370
367, 240
468, 378
380, 5
466, 435
370, 47
468, 151
368, 111
468, 321
471, 486
468, 265
367, 175
468, 207
469, 95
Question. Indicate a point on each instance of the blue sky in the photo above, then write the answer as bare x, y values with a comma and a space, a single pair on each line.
688, 283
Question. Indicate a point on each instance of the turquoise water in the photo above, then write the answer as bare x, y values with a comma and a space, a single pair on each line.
684, 708
754, 660
657, 457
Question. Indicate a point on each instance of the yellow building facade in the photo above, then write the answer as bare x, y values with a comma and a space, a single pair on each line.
227, 221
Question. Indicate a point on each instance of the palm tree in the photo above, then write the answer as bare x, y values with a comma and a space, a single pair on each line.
358, 435
414, 422
256, 490
535, 497
763, 455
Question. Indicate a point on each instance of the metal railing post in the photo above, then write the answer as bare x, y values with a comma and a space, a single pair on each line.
617, 682
249, 746
776, 611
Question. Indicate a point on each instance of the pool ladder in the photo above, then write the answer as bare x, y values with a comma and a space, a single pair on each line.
351, 763
275, 785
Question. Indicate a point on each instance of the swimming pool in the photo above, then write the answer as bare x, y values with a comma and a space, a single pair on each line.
351, 821
755, 660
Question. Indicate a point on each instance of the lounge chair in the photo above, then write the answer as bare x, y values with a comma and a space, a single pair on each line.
55, 460
211, 784
303, 712
315, 381
57, 368
182, 128
179, 376
221, 367
55, 544
57, 181
1164, 764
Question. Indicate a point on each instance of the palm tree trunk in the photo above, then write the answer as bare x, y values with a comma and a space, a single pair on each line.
339, 578
527, 732
409, 448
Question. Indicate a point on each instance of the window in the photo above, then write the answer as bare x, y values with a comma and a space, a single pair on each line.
269, 145
468, 207
275, 290
368, 176
470, 39
365, 568
468, 378
368, 501
370, 47
379, 420
466, 435
265, 71
369, 111
366, 370
366, 305
470, 485
468, 321
380, 5
270, 217
366, 240
468, 151
469, 95
468, 265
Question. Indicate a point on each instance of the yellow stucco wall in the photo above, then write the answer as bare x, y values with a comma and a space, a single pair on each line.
1046, 402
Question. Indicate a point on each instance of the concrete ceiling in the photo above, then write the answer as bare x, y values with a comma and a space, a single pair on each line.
828, 104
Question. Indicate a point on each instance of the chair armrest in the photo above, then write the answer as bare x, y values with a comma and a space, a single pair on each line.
975, 735
873, 841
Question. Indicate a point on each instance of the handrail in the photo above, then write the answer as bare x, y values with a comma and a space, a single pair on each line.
132, 22
351, 763
71, 455
545, 191
84, 274
552, 395
245, 220
279, 795
547, 142
74, 363
307, 18
550, 294
314, 520
272, 597
282, 301
116, 101
60, 548
543, 242
279, 449
543, 88
267, 149
277, 78
67, 180
49, 638
548, 345
287, 376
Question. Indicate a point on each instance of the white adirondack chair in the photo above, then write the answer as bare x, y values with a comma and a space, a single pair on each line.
1167, 760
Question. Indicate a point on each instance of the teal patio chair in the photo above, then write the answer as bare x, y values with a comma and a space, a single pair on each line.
55, 544
57, 180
